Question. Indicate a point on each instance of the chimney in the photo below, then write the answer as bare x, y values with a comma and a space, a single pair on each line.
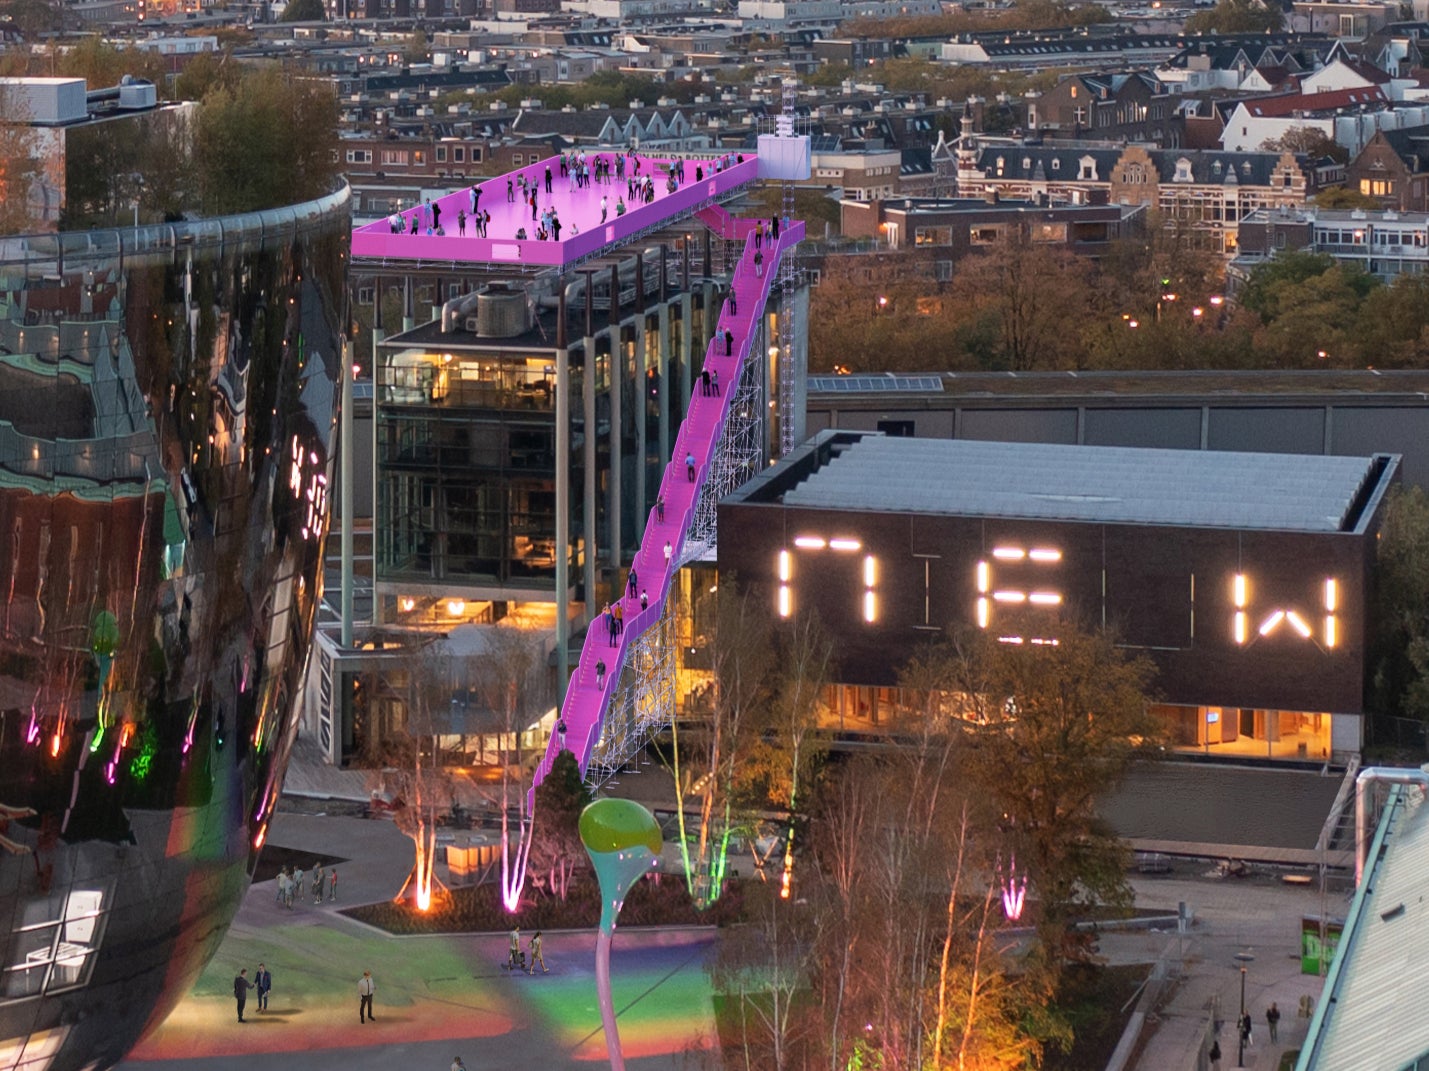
990, 195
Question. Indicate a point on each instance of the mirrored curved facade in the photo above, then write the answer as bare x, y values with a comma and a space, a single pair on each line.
168, 405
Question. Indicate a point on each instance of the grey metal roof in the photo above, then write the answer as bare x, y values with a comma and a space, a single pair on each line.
887, 382
1377, 1016
1102, 484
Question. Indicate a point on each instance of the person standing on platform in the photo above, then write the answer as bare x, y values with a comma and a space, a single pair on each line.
773, 228
332, 885
366, 990
297, 887
728, 342
510, 193
436, 214
631, 581
705, 380
241, 986
548, 179
475, 197
604, 208
263, 982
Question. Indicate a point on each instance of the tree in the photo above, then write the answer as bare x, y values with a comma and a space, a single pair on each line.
560, 798
1028, 293
304, 11
506, 680
765, 964
1309, 141
1269, 280
742, 649
415, 50
207, 72
1399, 625
787, 749
1344, 197
1059, 726
411, 776
1237, 16
271, 141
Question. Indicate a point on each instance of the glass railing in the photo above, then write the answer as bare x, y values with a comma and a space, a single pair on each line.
70, 249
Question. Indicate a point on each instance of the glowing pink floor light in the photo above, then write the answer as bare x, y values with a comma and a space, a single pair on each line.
1014, 890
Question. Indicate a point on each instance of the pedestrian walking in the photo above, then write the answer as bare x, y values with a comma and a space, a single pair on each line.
689, 470
332, 885
366, 989
536, 956
759, 234
297, 889
644, 599
609, 619
263, 982
510, 193
281, 882
1272, 1020
1246, 1036
705, 381
603, 209
241, 986
1215, 1055
733, 304
600, 674
728, 342
714, 383
318, 884
660, 508
436, 214
548, 178
514, 951
758, 264
774, 228
619, 611
631, 581
668, 551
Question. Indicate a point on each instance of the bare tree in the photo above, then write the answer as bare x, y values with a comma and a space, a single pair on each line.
20, 166
765, 964
506, 677
709, 767
412, 775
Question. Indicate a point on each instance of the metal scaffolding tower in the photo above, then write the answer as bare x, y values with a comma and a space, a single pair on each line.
788, 279
739, 454
643, 703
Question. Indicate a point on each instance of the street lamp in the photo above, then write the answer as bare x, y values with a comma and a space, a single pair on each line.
1243, 958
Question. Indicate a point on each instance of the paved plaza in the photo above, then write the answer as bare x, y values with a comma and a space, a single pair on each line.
437, 997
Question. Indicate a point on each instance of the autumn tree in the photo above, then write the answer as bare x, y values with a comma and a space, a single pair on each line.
1344, 197
1058, 726
558, 852
1237, 16
304, 11
1028, 293
1309, 141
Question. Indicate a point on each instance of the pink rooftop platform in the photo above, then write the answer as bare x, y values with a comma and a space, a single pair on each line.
583, 235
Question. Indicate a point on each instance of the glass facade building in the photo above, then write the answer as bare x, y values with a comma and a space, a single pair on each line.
168, 405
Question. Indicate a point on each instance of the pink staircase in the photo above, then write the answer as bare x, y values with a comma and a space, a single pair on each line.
586, 701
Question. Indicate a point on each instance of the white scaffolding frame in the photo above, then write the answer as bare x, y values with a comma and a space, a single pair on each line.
643, 702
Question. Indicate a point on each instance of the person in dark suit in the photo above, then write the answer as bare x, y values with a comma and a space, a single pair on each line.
241, 985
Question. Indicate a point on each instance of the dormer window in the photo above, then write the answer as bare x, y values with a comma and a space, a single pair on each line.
1183, 171
1087, 169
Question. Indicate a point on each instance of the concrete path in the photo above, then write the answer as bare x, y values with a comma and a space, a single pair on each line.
437, 997
1258, 917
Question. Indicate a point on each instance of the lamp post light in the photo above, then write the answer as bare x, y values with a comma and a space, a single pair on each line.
1243, 958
